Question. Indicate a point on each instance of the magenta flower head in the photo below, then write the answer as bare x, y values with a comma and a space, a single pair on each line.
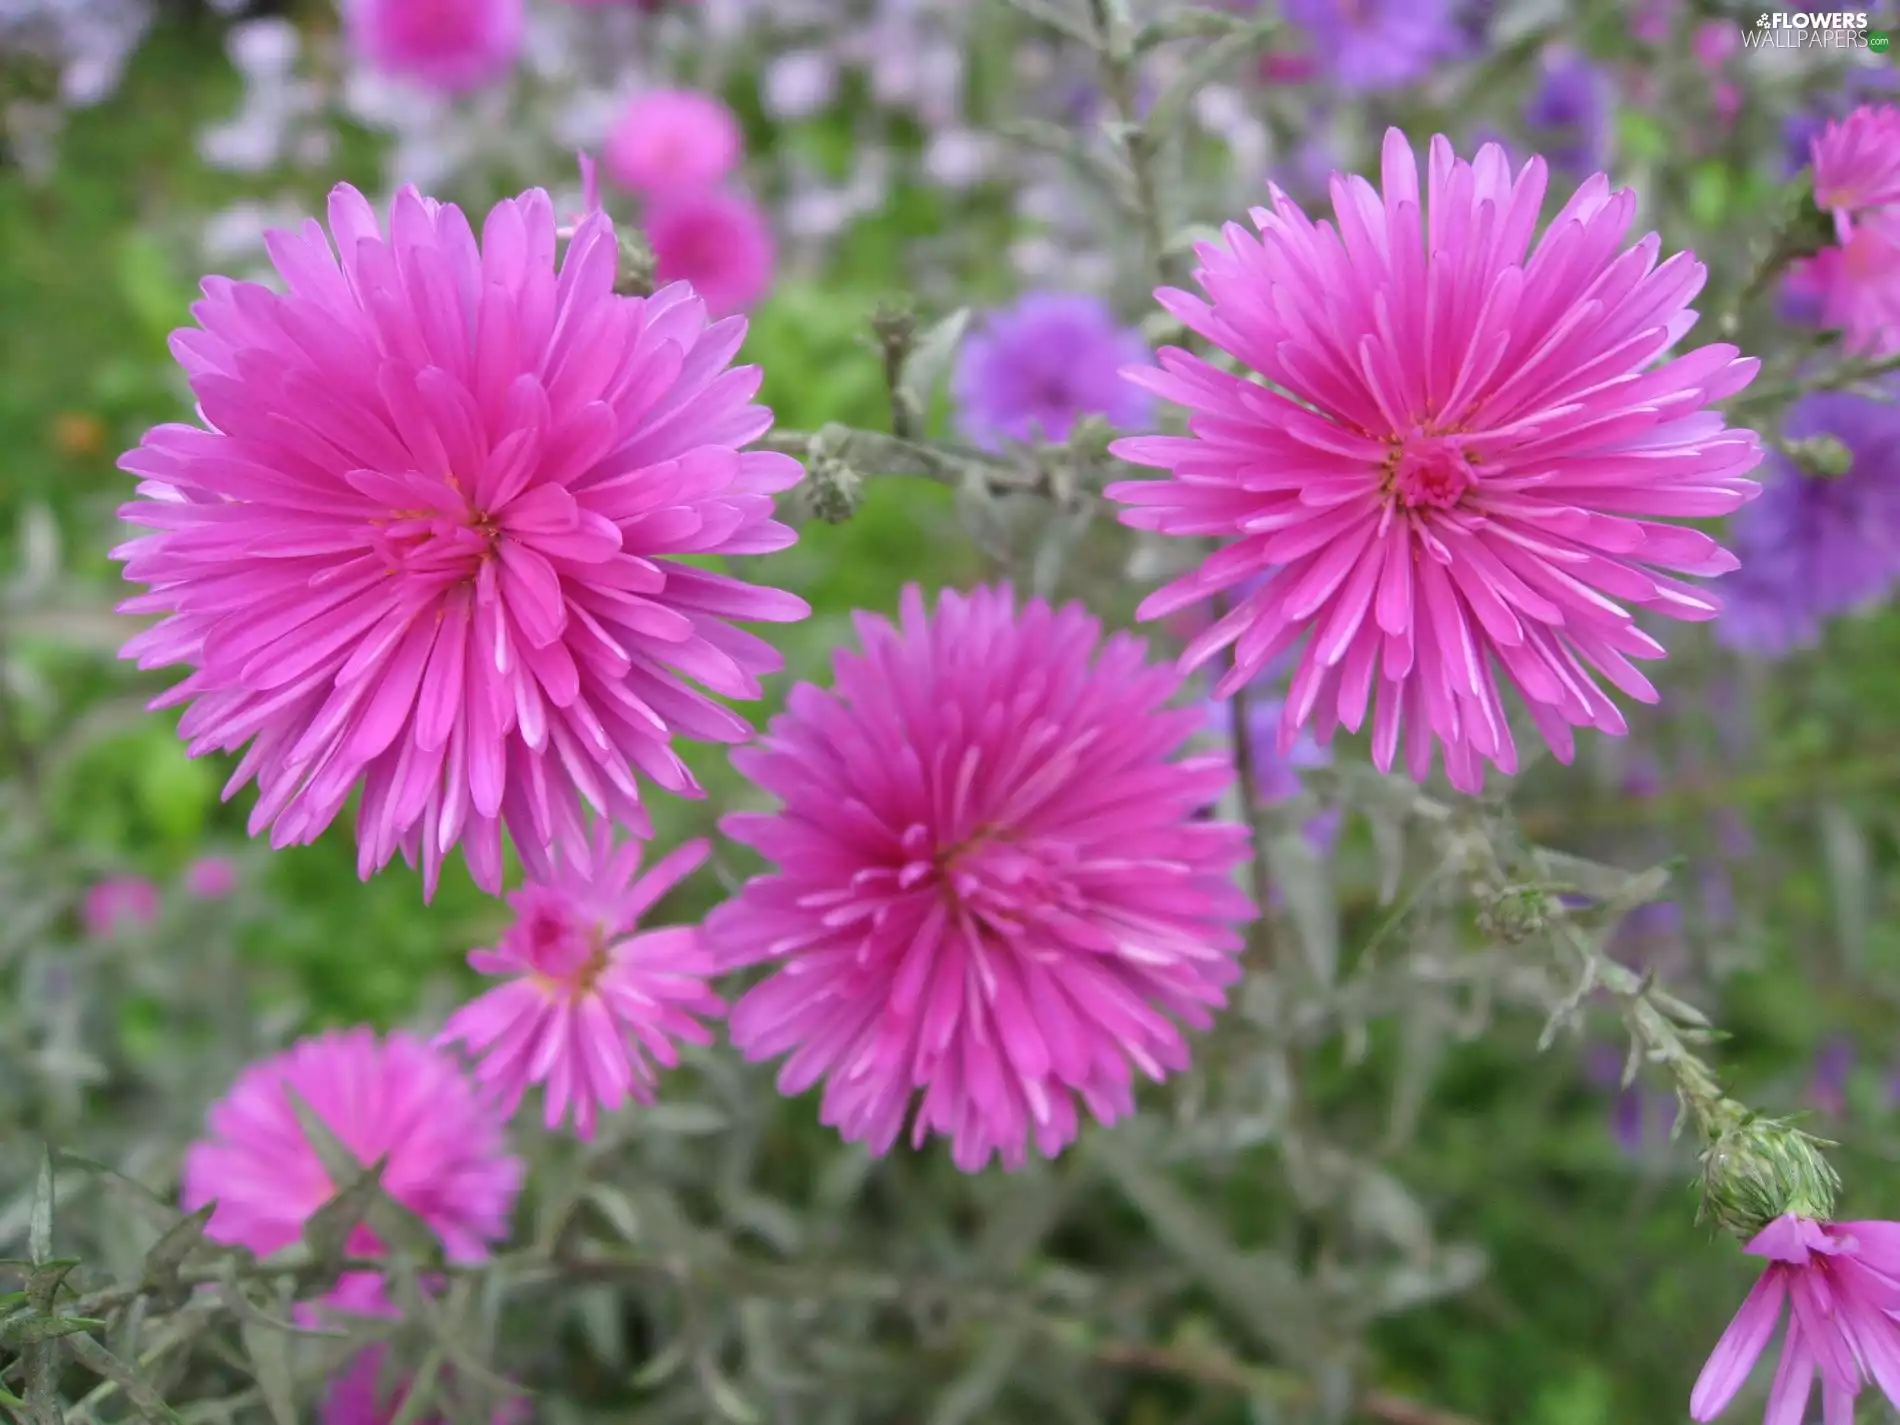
1475, 470
591, 1000
447, 45
720, 243
991, 884
1843, 1279
422, 542
118, 905
673, 139
395, 1098
1030, 372
1854, 287
1857, 163
210, 878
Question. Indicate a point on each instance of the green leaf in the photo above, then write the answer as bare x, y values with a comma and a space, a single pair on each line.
421, 1392
725, 1396
168, 1253
1709, 194
28, 1329
930, 360
269, 1355
39, 1235
327, 1231
400, 1229
101, 1362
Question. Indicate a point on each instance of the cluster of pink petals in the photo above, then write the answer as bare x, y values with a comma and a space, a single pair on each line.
1462, 471
446, 45
397, 1099
993, 884
421, 543
119, 905
1856, 283
591, 1001
672, 139
1842, 1281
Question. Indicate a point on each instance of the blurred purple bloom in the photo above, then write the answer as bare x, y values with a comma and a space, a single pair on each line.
1641, 1118
1276, 777
118, 905
211, 878
1827, 1090
1815, 546
1568, 116
1379, 44
1033, 370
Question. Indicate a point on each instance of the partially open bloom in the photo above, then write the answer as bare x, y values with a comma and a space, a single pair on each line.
1816, 546
421, 543
1475, 474
395, 1098
721, 243
1843, 1280
670, 139
991, 885
450, 45
591, 1000
119, 905
366, 1394
1030, 372
1857, 163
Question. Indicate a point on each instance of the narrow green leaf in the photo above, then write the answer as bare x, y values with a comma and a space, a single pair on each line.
327, 1231
269, 1355
662, 1367
101, 1362
169, 1251
1201, 71
45, 1280
421, 1392
40, 1228
402, 1230
930, 360
725, 1396
28, 1329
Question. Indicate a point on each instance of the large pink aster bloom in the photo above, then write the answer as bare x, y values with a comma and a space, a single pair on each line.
396, 1098
449, 45
1857, 163
1463, 464
992, 885
1843, 1279
591, 1001
421, 542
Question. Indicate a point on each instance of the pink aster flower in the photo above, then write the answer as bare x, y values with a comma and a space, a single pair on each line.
118, 905
1857, 163
1473, 475
992, 885
369, 1393
1854, 287
721, 243
421, 543
396, 1098
591, 1000
673, 139
450, 45
1843, 1279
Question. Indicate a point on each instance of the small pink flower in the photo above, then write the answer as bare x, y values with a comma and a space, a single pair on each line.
1714, 43
396, 1098
1844, 1281
119, 905
450, 45
719, 243
1857, 164
997, 897
672, 139
1855, 288
211, 878
590, 1002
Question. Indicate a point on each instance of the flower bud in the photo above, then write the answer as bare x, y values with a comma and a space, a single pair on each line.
835, 489
1759, 1169
1514, 914
638, 268
1826, 456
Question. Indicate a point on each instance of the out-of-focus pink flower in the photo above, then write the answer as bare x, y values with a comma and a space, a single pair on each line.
450, 45
1857, 163
119, 905
672, 139
367, 1393
719, 242
1844, 1281
993, 883
1854, 288
424, 543
211, 878
591, 1001
1714, 43
1477, 471
397, 1099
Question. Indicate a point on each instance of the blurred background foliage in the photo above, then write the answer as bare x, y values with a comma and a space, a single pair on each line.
1598, 1295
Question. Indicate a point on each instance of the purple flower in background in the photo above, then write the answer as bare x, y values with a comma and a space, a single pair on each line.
1641, 1118
118, 905
1814, 546
449, 45
1276, 778
1827, 1090
1379, 44
1033, 370
1569, 114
